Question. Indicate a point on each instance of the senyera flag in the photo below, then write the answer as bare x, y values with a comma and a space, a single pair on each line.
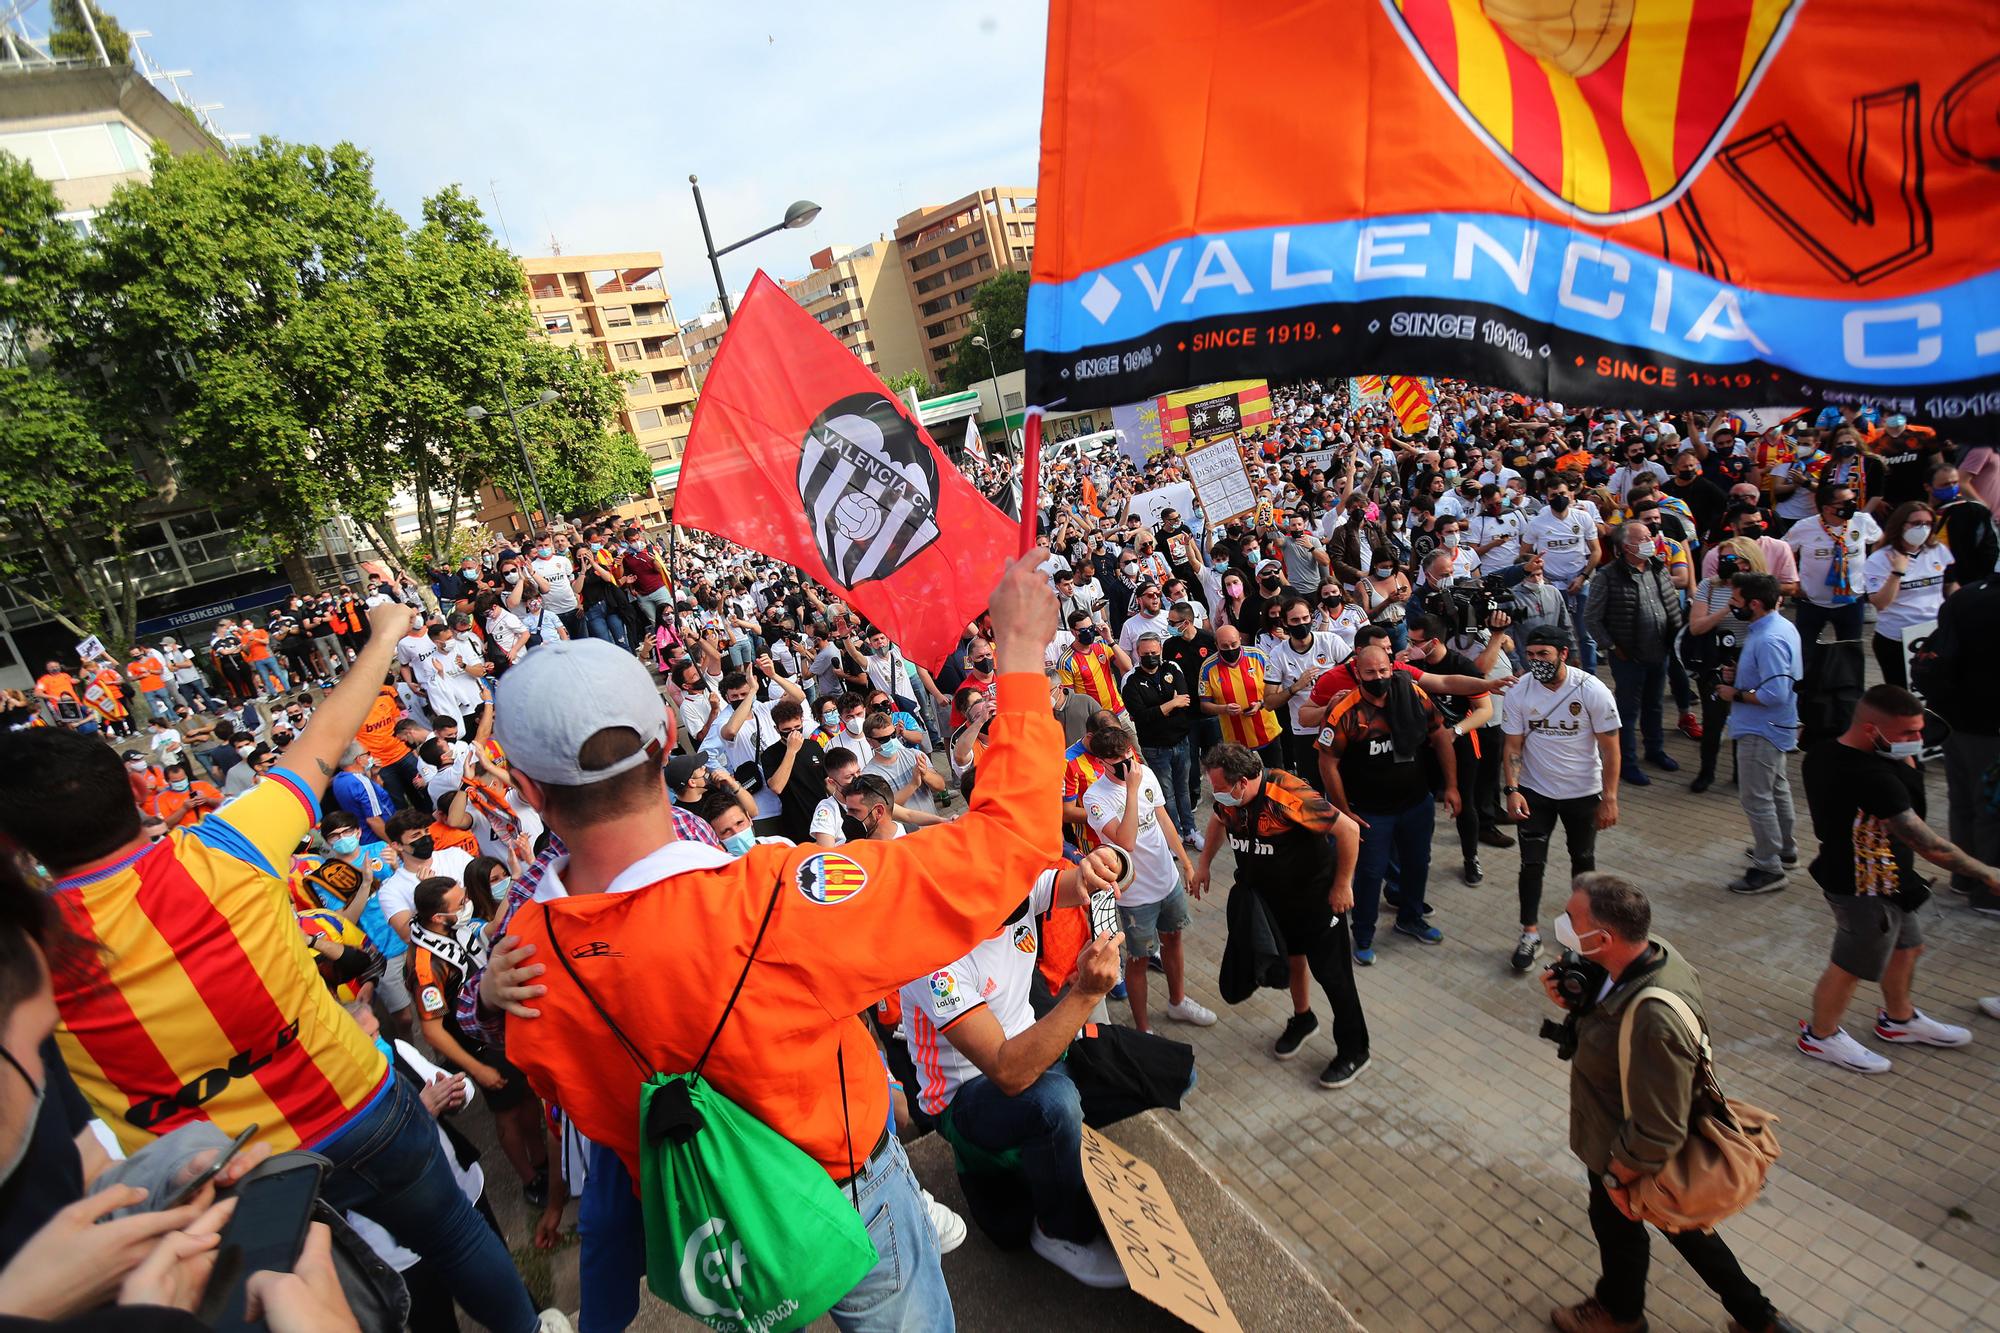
799, 452
1647, 203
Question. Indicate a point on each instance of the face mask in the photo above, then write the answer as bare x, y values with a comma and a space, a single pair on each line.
1894, 422
464, 917
852, 726
1374, 689
1086, 635
1567, 937
1846, 511
1232, 589
1149, 661
1299, 631
886, 747
982, 665
542, 552
41, 1091
136, 765
1229, 655
1900, 749
347, 844
736, 844
1223, 798
1650, 436
421, 849
245, 750
1559, 503
181, 785
1544, 671
1945, 494
1384, 571
1451, 539
1131, 569
831, 721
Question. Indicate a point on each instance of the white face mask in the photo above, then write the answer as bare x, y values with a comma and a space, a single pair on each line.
1567, 937
1916, 534
465, 913
1900, 749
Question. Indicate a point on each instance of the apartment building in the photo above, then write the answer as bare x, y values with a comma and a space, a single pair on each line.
947, 250
857, 294
616, 309
702, 336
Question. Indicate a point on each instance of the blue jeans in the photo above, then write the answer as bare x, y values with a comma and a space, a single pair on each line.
903, 1293
1639, 687
160, 702
1404, 835
1170, 764
1586, 647
268, 670
1045, 1125
601, 622
389, 1165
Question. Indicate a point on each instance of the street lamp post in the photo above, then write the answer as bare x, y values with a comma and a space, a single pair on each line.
799, 214
993, 373
547, 396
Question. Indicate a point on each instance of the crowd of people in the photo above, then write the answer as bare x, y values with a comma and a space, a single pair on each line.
326, 853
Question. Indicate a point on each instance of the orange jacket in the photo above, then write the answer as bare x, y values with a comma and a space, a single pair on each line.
378, 731
851, 924
256, 644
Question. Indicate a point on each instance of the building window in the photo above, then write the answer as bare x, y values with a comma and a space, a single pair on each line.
626, 351
961, 271
639, 388
936, 307
923, 261
647, 418
618, 317
556, 324
956, 247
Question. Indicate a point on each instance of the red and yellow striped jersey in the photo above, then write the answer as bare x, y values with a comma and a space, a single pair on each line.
1080, 769
1242, 683
200, 999
1092, 668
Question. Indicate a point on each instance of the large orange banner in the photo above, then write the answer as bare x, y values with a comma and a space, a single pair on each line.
1626, 202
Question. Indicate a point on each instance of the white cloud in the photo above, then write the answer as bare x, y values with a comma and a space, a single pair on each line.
588, 118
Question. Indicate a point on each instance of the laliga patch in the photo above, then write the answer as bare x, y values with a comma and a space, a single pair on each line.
828, 878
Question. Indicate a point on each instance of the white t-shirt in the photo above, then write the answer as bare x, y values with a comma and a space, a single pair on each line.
556, 571
1817, 549
827, 819
1622, 479
1562, 541
1138, 623
1104, 807
1920, 595
1559, 755
1504, 527
1285, 665
399, 892
452, 693
996, 974
413, 650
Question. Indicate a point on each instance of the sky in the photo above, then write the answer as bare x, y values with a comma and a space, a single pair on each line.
586, 117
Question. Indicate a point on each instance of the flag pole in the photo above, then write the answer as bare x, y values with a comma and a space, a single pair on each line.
1031, 477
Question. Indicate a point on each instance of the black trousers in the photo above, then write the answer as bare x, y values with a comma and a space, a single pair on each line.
1579, 821
1478, 769
1625, 1253
1327, 945
1302, 757
1714, 713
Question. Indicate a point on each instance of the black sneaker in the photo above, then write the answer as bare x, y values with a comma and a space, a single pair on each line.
1294, 1036
1471, 873
1786, 859
1493, 837
1526, 950
1342, 1071
1758, 881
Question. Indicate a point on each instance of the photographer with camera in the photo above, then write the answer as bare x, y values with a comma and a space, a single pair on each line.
1627, 1124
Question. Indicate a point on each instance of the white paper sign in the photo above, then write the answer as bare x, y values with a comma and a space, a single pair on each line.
1217, 471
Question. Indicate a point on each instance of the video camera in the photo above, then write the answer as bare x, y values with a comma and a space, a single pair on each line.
1467, 605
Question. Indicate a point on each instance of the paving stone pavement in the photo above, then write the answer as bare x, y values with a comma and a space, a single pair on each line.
1438, 1191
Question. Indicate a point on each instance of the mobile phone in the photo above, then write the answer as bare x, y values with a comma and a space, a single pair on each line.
267, 1231
213, 1169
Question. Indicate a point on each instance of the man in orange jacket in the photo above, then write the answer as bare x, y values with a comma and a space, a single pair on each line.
585, 736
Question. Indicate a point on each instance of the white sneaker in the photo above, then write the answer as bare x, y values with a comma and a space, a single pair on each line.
1841, 1049
1094, 1265
950, 1227
1990, 1006
1188, 1011
1920, 1029
555, 1321
1194, 840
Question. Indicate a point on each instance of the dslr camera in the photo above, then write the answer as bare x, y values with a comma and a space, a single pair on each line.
1468, 605
1577, 982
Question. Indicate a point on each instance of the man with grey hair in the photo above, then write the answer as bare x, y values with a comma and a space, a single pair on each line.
1633, 612
1627, 1127
1159, 700
356, 791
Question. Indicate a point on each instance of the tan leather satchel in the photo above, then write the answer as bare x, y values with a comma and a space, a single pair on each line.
1720, 1168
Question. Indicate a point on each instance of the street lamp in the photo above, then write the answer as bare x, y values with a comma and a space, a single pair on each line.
799, 214
543, 399
999, 403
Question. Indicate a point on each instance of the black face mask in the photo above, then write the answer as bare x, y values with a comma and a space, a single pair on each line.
1229, 655
1846, 511
1299, 631
1559, 503
1149, 661
982, 664
1375, 689
1086, 635
421, 848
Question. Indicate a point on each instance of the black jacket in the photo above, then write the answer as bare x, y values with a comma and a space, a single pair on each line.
1145, 693
1637, 612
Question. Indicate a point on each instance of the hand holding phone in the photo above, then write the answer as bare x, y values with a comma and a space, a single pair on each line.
267, 1232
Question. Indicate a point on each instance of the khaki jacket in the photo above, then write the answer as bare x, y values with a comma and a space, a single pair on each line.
1646, 1134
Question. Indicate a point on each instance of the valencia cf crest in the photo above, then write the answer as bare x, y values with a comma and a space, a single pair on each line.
829, 878
1608, 108
870, 488
1576, 708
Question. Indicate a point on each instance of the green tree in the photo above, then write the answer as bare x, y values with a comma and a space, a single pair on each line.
62, 477
912, 378
1001, 305
69, 35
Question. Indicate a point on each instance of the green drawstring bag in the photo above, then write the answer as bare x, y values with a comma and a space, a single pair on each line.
743, 1230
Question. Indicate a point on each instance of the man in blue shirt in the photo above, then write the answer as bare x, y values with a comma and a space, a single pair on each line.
1764, 716
356, 791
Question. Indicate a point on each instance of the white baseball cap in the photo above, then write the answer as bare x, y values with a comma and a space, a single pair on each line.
561, 694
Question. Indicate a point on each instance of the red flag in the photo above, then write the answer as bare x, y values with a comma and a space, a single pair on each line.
799, 452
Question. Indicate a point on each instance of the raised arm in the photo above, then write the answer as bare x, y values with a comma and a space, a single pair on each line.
315, 755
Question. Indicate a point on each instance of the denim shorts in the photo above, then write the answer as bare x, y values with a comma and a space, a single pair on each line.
1143, 925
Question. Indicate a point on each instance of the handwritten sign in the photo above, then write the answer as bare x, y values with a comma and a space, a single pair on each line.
1159, 1256
90, 649
1216, 470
